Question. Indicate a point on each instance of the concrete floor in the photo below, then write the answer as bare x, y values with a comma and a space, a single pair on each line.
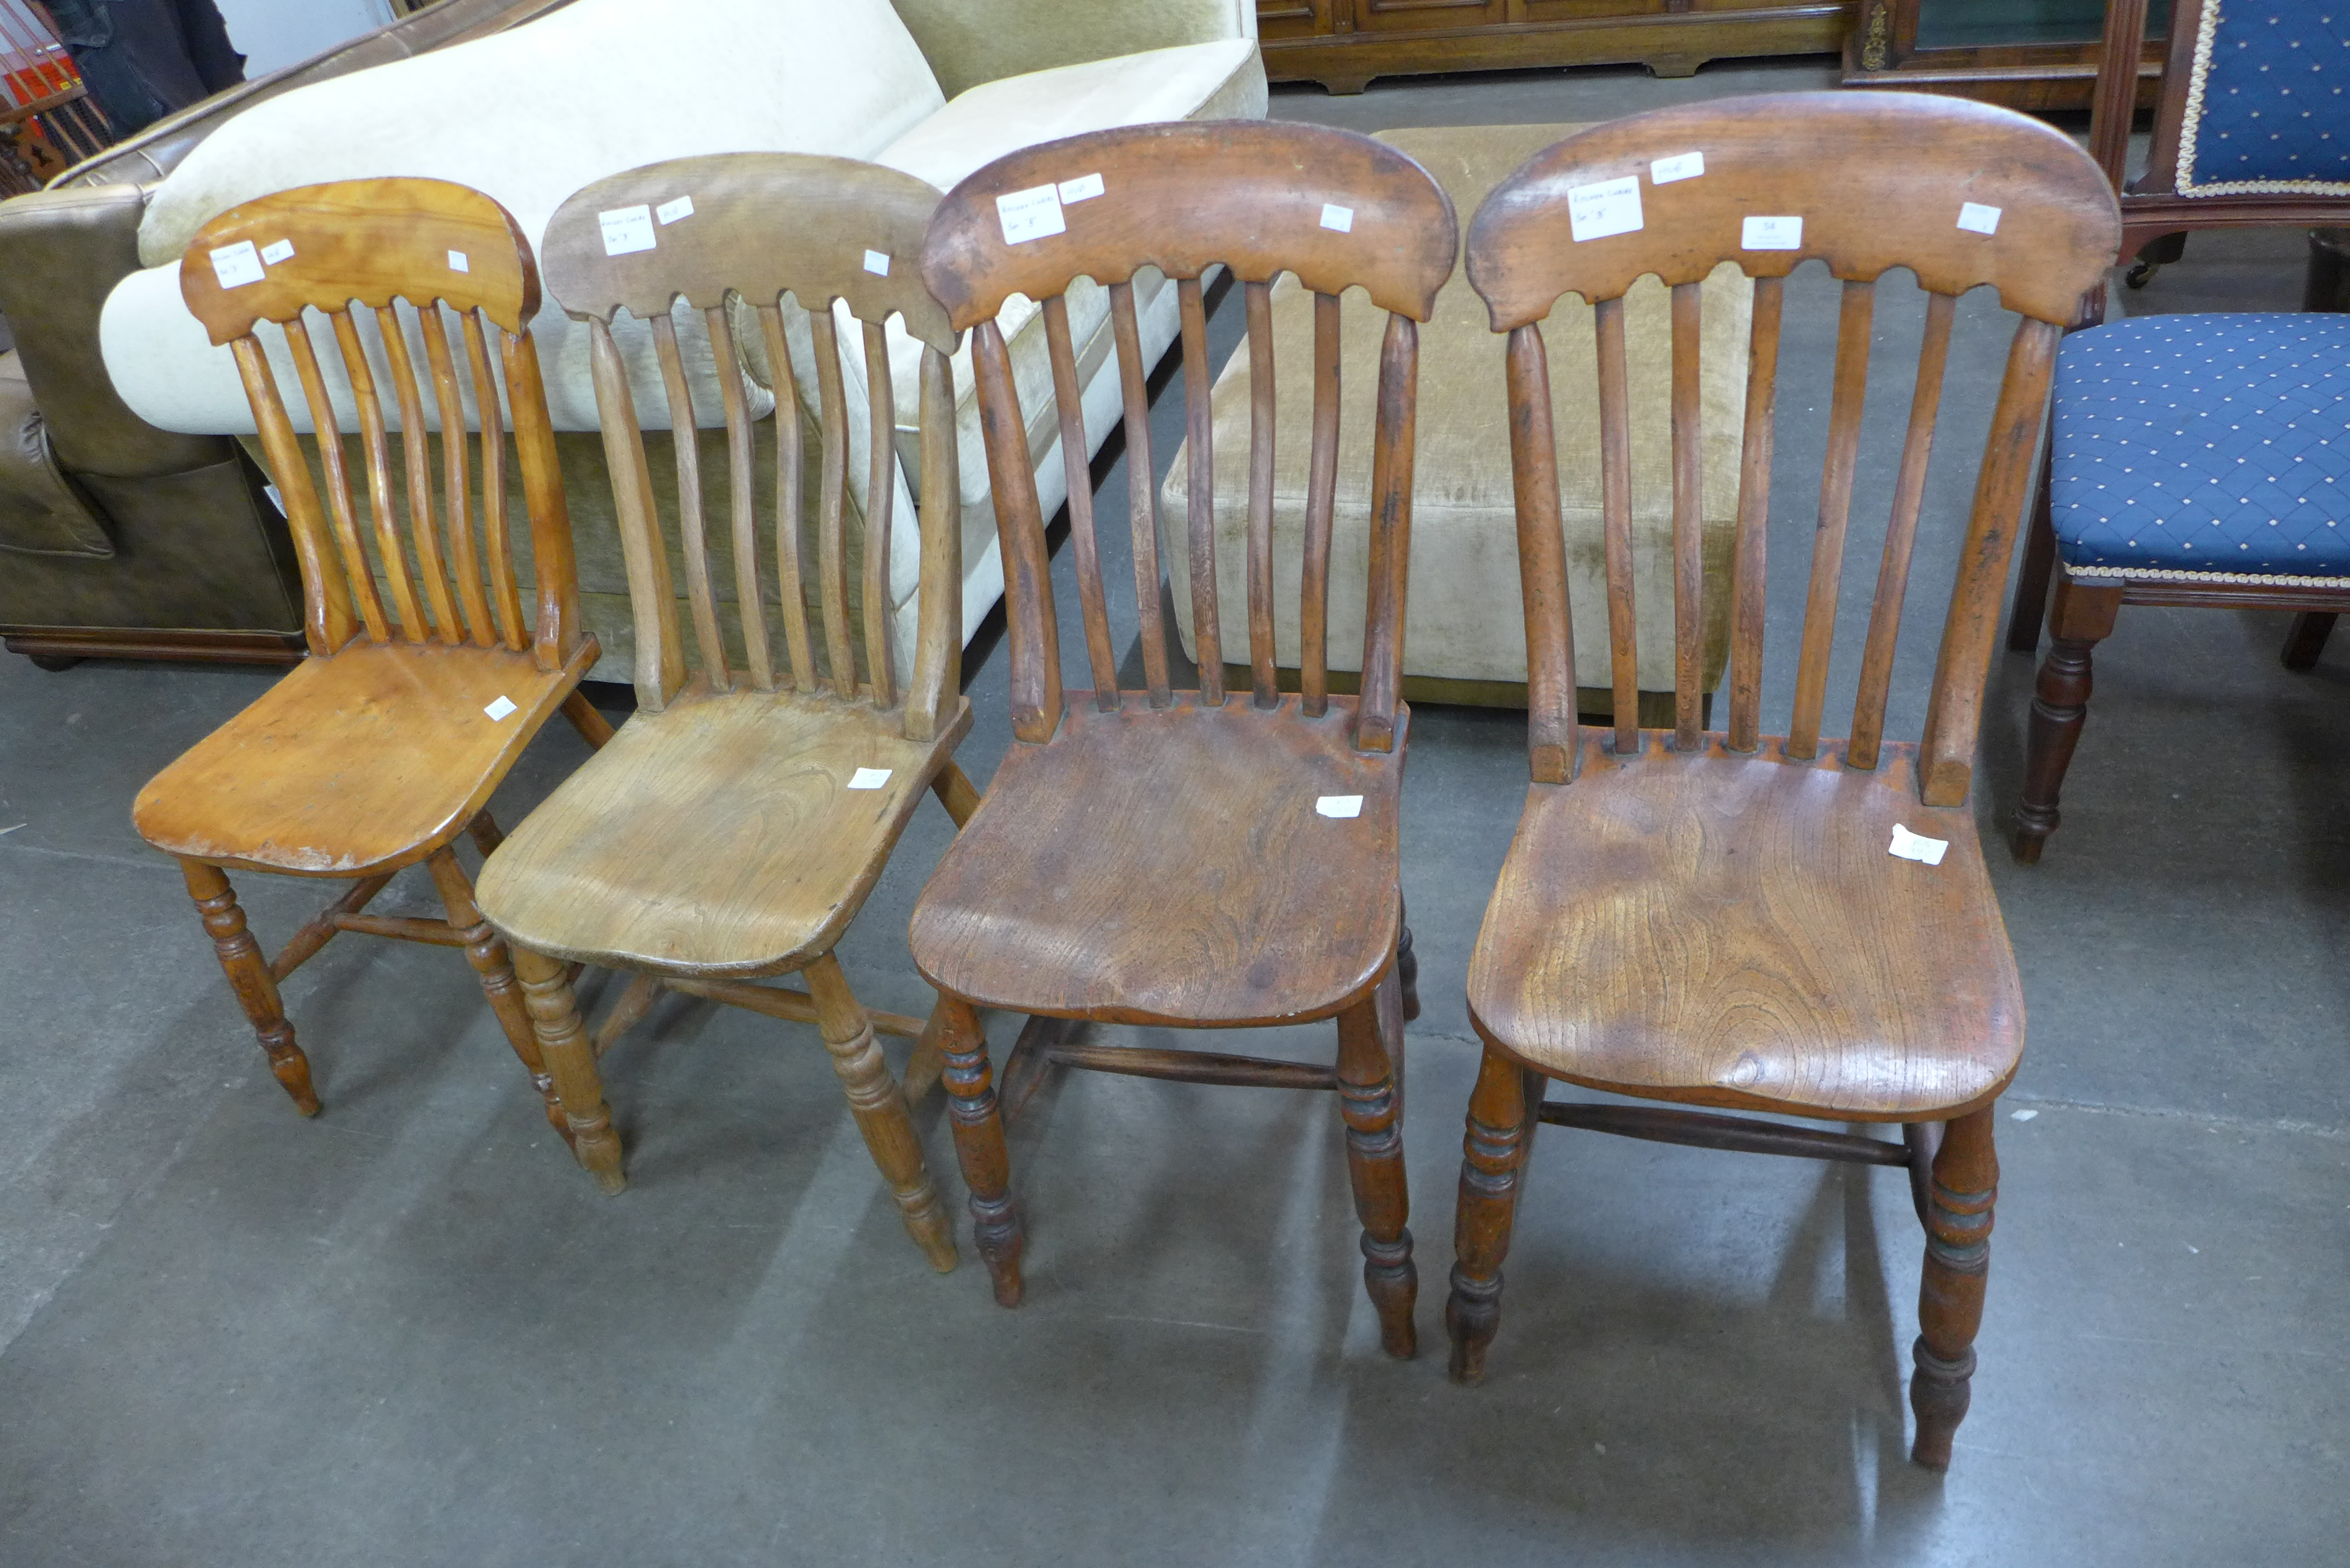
410, 1331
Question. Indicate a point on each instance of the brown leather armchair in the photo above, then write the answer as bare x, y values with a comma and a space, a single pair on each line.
117, 538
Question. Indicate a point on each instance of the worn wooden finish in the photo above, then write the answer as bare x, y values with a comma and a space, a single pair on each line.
721, 835
1950, 1295
1214, 893
1069, 405
979, 1148
1615, 526
380, 749
1720, 922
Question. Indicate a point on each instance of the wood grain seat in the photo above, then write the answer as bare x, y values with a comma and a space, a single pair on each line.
1691, 926
719, 835
363, 763
1168, 866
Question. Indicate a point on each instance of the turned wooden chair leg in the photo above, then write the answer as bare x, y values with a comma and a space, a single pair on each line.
486, 951
1367, 1101
249, 977
593, 727
570, 1055
1407, 966
881, 1110
979, 1148
2307, 639
2081, 618
1950, 1295
1494, 1153
2023, 616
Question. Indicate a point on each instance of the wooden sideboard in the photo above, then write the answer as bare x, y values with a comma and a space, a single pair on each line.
1343, 44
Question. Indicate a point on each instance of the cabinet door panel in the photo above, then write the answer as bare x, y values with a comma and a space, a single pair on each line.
1293, 18
1416, 16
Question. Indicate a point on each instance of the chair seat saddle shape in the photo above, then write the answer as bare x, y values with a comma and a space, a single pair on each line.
1207, 858
416, 696
1718, 918
1729, 929
1175, 866
733, 828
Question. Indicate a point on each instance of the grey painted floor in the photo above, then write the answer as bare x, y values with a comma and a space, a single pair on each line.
411, 1332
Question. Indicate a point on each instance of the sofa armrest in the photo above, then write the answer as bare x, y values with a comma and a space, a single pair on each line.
61, 252
969, 42
41, 512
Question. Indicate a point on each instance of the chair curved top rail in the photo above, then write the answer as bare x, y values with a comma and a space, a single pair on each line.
1258, 196
1879, 179
367, 240
761, 224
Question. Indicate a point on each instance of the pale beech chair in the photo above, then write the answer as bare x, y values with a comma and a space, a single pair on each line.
384, 745
734, 827
1201, 859
1714, 917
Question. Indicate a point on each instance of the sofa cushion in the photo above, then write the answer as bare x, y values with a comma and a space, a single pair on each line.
969, 42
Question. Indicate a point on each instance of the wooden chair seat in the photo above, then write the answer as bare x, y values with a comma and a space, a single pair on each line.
1168, 866
717, 836
358, 764
1731, 930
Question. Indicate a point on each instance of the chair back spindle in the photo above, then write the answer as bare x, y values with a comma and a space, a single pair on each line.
1961, 194
1259, 199
829, 233
453, 258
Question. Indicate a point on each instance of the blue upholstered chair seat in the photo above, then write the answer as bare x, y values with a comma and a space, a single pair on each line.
2204, 445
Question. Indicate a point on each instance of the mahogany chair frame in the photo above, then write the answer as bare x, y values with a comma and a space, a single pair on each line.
2084, 610
1257, 198
1710, 918
402, 682
601, 872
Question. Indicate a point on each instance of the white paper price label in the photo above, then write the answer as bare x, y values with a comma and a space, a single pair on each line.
877, 264
670, 211
1775, 233
238, 265
278, 251
1978, 219
1084, 188
1687, 166
1338, 805
459, 262
1335, 216
869, 778
628, 230
1031, 215
1609, 207
1917, 847
500, 708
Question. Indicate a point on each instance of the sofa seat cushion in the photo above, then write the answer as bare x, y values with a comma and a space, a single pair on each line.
1462, 617
2192, 447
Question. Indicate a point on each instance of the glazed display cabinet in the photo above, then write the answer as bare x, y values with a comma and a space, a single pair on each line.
2032, 54
1343, 44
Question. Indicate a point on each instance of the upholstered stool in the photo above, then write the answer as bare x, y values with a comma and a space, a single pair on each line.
1465, 637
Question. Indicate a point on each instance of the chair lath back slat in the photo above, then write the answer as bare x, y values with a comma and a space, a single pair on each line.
1790, 160
1259, 199
752, 228
366, 245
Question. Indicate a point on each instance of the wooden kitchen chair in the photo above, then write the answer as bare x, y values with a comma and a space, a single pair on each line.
1714, 917
384, 745
2195, 460
1202, 859
733, 828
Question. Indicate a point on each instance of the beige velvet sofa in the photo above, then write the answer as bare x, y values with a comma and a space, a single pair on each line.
1464, 630
533, 115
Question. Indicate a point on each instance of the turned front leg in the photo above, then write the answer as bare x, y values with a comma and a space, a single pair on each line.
2080, 619
249, 978
570, 1056
1368, 1102
979, 1147
1493, 1155
879, 1110
1950, 1295
486, 951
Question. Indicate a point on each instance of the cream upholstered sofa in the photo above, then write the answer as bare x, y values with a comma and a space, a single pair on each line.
532, 115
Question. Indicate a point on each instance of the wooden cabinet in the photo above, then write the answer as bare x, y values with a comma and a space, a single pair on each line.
1343, 44
2033, 55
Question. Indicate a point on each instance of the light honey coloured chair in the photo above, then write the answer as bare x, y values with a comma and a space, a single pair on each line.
385, 744
1201, 859
1714, 917
734, 827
